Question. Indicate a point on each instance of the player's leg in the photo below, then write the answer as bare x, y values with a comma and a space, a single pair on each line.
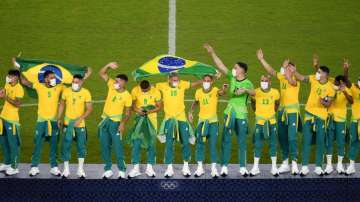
340, 145
273, 147
283, 141
135, 158
169, 148
38, 140
306, 147
258, 145
66, 150
5, 146
13, 140
242, 132
105, 148
225, 149
213, 132
199, 153
116, 139
320, 145
186, 152
81, 138
53, 140
329, 142
151, 159
292, 135
354, 147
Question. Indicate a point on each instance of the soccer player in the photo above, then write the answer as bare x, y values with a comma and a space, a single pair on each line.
288, 114
175, 124
355, 120
316, 113
208, 124
46, 127
115, 115
77, 101
236, 113
12, 93
146, 104
265, 102
337, 123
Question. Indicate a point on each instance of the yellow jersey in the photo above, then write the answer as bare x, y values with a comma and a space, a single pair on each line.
338, 107
319, 91
289, 94
355, 107
75, 102
115, 102
10, 112
173, 98
265, 105
208, 104
48, 100
143, 99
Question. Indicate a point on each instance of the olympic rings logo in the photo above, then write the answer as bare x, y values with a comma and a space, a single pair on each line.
169, 185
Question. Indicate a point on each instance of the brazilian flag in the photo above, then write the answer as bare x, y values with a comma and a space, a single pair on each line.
33, 70
164, 64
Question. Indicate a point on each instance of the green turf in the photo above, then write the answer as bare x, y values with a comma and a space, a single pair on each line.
131, 32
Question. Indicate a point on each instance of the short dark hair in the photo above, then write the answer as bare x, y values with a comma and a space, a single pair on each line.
325, 69
291, 63
122, 77
243, 65
339, 78
14, 72
47, 73
208, 75
173, 74
78, 76
144, 84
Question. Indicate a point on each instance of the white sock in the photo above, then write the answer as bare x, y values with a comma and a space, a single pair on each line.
352, 163
66, 165
81, 163
273, 161
200, 163
169, 165
213, 165
186, 163
340, 159
286, 161
256, 161
328, 159
136, 166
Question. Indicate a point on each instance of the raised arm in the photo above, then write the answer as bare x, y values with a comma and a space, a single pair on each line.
316, 63
301, 77
88, 73
104, 71
267, 66
289, 75
219, 64
196, 83
223, 89
23, 80
346, 66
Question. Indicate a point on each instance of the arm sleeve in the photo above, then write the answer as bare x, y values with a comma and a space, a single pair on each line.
110, 82
20, 92
128, 101
185, 84
88, 97
157, 95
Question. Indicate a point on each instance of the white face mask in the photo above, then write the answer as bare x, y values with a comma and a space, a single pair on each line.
75, 86
117, 86
359, 83
206, 85
317, 76
264, 85
175, 84
52, 82
8, 79
233, 72
282, 71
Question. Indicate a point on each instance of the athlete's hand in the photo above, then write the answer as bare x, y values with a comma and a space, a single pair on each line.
260, 54
192, 140
208, 48
2, 93
190, 117
121, 128
113, 65
240, 91
59, 123
77, 122
315, 60
285, 64
346, 64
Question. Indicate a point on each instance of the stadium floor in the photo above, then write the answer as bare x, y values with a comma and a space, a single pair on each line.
95, 171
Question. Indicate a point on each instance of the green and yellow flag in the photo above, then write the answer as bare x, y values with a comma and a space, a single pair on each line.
164, 64
34, 70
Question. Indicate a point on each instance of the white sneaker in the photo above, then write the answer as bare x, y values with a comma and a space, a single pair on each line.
135, 171
121, 174
224, 171
340, 168
350, 169
34, 171
65, 173
304, 171
4, 167
244, 172
169, 171
319, 171
186, 170
214, 172
150, 171
284, 167
55, 171
254, 171
107, 174
274, 171
294, 168
328, 169
199, 171
81, 173
11, 171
